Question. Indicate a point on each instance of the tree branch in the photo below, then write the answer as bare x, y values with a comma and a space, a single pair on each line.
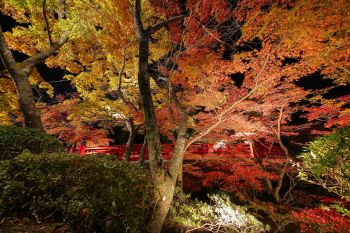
62, 13
6, 54
34, 60
285, 150
5, 75
221, 119
158, 26
217, 38
151, 29
120, 74
47, 23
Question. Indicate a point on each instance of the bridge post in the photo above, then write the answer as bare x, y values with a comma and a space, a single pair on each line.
82, 149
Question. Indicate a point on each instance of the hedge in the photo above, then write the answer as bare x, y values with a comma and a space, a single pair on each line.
89, 193
15, 139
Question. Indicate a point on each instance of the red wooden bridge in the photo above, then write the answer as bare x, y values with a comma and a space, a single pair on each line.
195, 150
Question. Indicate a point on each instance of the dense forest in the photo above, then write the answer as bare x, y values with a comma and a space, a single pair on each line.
252, 96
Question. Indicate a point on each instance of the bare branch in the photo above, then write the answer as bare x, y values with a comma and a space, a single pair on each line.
38, 92
59, 81
151, 29
172, 97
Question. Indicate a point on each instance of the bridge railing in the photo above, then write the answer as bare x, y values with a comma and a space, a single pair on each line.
167, 150
194, 151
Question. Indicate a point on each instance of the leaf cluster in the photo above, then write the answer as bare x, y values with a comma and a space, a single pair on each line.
217, 214
8, 101
326, 162
321, 220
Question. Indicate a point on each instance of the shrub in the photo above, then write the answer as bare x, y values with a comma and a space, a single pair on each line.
234, 174
14, 139
219, 215
327, 162
91, 194
321, 220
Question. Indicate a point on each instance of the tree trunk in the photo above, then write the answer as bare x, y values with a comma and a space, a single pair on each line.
163, 183
143, 151
31, 114
19, 75
251, 148
163, 180
275, 191
180, 177
131, 139
285, 150
166, 182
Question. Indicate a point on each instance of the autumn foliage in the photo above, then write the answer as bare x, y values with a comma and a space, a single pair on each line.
264, 73
321, 220
65, 121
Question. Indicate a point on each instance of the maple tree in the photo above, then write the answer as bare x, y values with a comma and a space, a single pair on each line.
270, 72
73, 59
104, 72
270, 82
101, 81
20, 71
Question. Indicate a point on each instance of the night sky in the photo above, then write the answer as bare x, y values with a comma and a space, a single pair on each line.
52, 76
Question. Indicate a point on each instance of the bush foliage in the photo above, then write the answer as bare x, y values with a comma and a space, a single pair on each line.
91, 194
327, 162
321, 220
218, 215
14, 139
